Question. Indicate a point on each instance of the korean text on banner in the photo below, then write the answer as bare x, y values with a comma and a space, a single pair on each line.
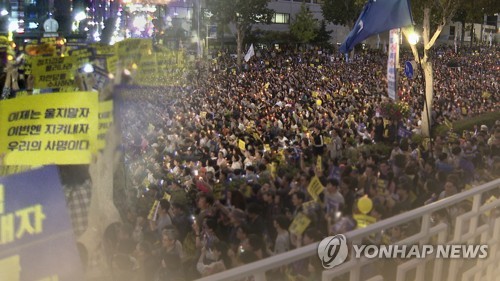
54, 72
36, 237
59, 128
105, 122
392, 63
378, 16
315, 188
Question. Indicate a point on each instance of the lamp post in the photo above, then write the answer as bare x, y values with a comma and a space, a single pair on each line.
413, 39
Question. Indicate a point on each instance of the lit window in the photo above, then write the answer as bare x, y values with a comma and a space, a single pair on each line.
281, 18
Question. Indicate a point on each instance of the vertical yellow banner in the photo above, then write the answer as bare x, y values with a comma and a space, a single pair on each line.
105, 122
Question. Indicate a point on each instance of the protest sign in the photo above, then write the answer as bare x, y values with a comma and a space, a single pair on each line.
36, 237
242, 145
315, 188
59, 128
54, 72
299, 224
105, 122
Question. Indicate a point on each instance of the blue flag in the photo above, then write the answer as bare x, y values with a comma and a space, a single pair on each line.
378, 16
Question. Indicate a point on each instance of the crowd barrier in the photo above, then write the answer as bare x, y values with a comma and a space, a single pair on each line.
479, 225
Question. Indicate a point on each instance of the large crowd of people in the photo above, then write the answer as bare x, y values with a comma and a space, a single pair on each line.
229, 157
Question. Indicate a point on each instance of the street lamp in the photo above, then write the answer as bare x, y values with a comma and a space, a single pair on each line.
413, 38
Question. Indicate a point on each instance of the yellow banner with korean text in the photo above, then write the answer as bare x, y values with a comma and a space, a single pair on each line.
315, 188
146, 69
105, 122
54, 72
58, 128
299, 224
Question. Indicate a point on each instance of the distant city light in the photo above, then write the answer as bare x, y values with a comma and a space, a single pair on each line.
4, 12
13, 26
88, 68
80, 16
140, 22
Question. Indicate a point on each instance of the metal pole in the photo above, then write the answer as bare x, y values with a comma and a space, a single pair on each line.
198, 23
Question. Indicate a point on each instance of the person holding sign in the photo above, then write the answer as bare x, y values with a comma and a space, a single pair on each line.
161, 219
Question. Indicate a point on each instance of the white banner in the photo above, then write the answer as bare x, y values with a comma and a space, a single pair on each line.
392, 63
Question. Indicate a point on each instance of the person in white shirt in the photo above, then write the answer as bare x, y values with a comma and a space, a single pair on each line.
236, 163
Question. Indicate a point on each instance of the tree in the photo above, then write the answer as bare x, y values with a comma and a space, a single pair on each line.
322, 36
342, 12
431, 17
305, 26
473, 12
242, 13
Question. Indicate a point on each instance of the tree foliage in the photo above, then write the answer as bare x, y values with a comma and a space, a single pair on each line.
242, 13
473, 12
304, 27
342, 12
322, 36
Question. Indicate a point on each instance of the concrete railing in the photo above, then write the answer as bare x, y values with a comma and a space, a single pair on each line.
478, 225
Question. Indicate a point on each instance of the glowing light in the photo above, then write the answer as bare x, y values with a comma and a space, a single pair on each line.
413, 38
4, 12
80, 16
13, 26
140, 22
88, 68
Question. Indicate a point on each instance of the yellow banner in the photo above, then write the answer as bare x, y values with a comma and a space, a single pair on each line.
111, 64
146, 69
267, 147
242, 145
130, 50
105, 122
299, 224
315, 188
104, 49
54, 72
133, 46
319, 164
82, 55
59, 128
